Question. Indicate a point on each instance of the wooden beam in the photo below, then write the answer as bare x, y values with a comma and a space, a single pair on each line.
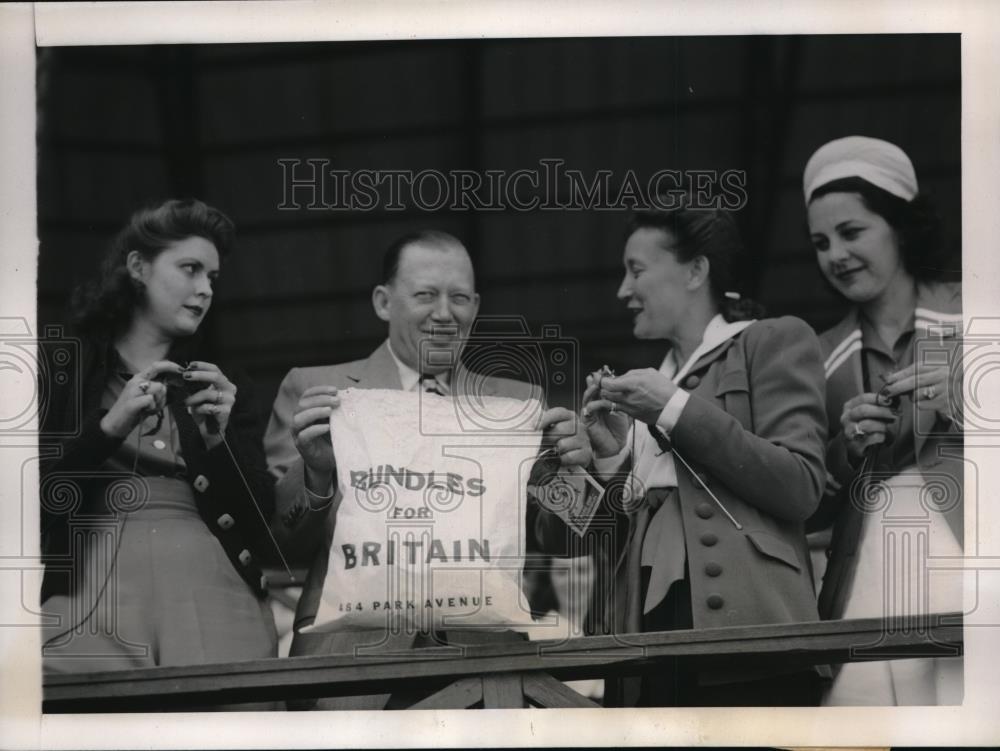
546, 691
503, 691
461, 694
797, 644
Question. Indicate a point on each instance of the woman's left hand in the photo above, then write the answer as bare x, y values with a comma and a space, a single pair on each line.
215, 400
640, 394
928, 385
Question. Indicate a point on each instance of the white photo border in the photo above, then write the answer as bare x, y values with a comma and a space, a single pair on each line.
24, 25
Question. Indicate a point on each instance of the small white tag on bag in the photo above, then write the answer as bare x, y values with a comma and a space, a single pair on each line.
430, 531
568, 492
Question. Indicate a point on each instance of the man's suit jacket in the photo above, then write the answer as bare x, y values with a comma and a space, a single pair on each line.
299, 528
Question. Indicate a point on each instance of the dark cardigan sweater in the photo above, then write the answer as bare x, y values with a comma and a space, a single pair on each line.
73, 448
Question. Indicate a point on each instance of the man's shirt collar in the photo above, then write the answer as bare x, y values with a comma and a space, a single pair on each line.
409, 378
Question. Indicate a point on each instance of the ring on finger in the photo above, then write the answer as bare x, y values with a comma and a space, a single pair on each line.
858, 432
929, 392
218, 396
144, 387
614, 407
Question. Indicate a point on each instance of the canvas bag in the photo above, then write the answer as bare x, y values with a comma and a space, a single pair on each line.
430, 531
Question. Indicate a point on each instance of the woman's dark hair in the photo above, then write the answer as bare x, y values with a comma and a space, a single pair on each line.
711, 233
916, 222
105, 306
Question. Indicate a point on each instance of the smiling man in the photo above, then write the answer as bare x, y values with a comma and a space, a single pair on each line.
427, 295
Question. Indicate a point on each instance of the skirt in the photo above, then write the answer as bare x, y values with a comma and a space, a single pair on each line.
158, 590
893, 578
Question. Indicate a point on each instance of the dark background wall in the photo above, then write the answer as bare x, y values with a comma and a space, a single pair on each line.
120, 126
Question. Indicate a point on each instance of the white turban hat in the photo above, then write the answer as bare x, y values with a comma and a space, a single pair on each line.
880, 163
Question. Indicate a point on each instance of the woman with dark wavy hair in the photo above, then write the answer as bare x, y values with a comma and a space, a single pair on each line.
154, 507
892, 398
721, 447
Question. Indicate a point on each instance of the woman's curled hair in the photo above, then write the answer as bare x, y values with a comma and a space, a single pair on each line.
711, 233
917, 225
105, 306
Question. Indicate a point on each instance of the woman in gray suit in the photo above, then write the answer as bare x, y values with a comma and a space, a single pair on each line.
720, 452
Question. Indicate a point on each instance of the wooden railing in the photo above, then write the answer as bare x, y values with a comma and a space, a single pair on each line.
503, 675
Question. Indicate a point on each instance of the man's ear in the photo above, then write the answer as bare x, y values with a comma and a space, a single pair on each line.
380, 301
698, 271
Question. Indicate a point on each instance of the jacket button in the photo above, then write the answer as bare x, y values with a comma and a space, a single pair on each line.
704, 511
708, 539
829, 553
226, 521
715, 602
691, 382
201, 483
712, 568
245, 557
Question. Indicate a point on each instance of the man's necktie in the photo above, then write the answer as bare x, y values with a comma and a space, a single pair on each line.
432, 385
